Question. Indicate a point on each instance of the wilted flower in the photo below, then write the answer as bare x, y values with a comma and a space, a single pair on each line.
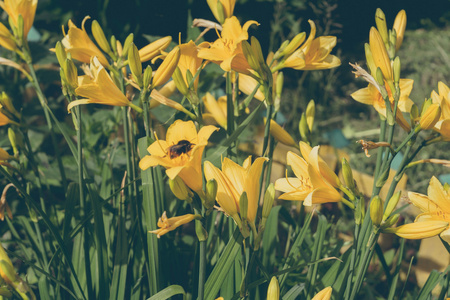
233, 180
80, 46
181, 153
226, 51
168, 224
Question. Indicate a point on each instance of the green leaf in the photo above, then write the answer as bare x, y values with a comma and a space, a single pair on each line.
169, 292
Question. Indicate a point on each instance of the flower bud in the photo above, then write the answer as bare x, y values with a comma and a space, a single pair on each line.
60, 53
211, 192
200, 231
348, 174
179, 189
71, 73
147, 78
14, 141
243, 206
127, 45
273, 292
153, 49
7, 103
414, 114
280, 134
279, 52
257, 52
20, 28
396, 69
251, 57
359, 211
113, 43
399, 27
380, 20
279, 84
7, 271
269, 197
165, 70
376, 210
189, 77
100, 37
293, 44
430, 117
392, 204
303, 128
134, 62
369, 60
379, 77
390, 221
179, 82
310, 113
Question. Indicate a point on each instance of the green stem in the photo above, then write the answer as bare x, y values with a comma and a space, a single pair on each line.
352, 261
230, 111
267, 129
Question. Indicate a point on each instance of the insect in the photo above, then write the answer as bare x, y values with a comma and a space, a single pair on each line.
183, 146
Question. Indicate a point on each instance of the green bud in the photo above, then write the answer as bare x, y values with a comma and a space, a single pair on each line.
220, 13
127, 45
179, 82
376, 210
380, 20
369, 60
280, 51
396, 67
348, 175
273, 292
294, 44
251, 57
269, 197
243, 206
71, 73
390, 221
303, 128
359, 211
134, 62
20, 28
392, 204
13, 140
189, 77
391, 44
60, 53
279, 84
414, 114
179, 189
211, 192
6, 102
100, 37
147, 78
201, 232
113, 43
379, 77
425, 105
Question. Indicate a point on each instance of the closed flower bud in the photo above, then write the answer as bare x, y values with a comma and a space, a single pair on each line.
71, 73
179, 82
280, 134
211, 192
430, 117
113, 43
269, 197
7, 271
396, 69
380, 20
303, 128
348, 175
399, 26
134, 62
243, 206
280, 51
20, 28
147, 78
100, 37
6, 102
359, 211
414, 114
279, 84
60, 53
273, 292
294, 44
392, 204
165, 70
369, 60
153, 49
390, 221
179, 189
127, 45
15, 142
379, 77
310, 113
376, 210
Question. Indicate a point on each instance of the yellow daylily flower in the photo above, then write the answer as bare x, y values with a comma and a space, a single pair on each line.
15, 8
168, 224
99, 88
225, 12
154, 49
371, 96
189, 60
233, 180
324, 294
226, 51
314, 54
314, 183
247, 84
443, 99
181, 153
216, 109
7, 39
80, 46
435, 217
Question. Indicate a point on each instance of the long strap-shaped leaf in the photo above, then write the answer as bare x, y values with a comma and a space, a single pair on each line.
169, 292
223, 265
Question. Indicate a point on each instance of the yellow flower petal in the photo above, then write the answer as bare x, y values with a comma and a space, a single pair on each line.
324, 294
419, 230
379, 53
